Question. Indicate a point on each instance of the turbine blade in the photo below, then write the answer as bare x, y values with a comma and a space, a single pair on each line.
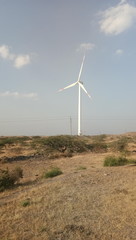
81, 85
71, 85
81, 68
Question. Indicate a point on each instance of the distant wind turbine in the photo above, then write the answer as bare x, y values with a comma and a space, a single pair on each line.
80, 85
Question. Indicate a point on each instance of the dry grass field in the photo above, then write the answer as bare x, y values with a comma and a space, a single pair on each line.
86, 202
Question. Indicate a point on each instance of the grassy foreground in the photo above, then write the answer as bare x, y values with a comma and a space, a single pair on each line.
87, 201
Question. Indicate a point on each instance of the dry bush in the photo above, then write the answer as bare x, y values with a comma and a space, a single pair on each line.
16, 174
120, 145
9, 178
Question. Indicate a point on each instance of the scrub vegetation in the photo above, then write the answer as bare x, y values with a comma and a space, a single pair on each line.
68, 187
115, 161
52, 173
9, 178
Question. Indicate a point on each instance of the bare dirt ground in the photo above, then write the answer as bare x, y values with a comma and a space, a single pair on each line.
87, 202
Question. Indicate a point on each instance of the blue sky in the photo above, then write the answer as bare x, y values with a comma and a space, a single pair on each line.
42, 43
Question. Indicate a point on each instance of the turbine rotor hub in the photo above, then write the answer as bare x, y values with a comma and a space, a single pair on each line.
81, 82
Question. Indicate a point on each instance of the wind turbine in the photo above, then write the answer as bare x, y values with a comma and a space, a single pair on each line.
80, 85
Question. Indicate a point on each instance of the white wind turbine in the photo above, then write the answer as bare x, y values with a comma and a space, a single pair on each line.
80, 85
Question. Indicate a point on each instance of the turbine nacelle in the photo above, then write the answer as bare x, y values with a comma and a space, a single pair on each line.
80, 82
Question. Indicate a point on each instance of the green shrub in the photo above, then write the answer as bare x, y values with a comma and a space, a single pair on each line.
115, 161
9, 178
25, 203
66, 145
132, 161
5, 180
4, 141
62, 143
53, 173
12, 140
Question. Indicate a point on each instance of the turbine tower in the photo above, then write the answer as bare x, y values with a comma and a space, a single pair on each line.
80, 85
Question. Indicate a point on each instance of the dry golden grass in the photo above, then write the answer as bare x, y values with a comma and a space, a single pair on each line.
94, 203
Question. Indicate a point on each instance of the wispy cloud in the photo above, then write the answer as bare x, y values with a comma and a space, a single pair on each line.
21, 60
83, 47
119, 52
18, 60
19, 95
116, 20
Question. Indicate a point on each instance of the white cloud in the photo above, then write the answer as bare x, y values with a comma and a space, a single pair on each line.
85, 47
119, 52
30, 95
19, 95
21, 60
116, 20
18, 60
5, 53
